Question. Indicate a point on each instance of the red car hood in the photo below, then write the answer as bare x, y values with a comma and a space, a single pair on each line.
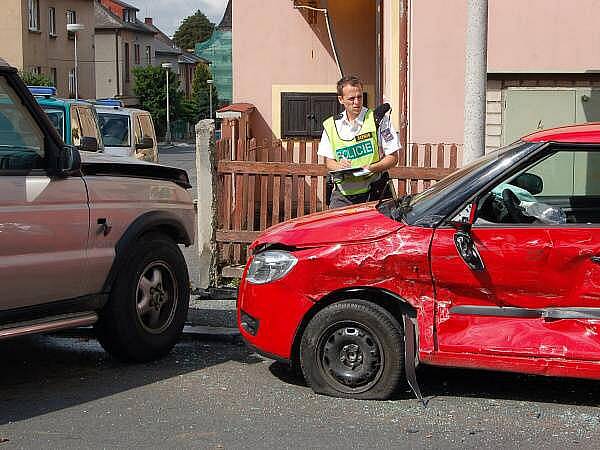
354, 223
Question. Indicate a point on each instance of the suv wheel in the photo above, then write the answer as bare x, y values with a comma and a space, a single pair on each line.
353, 349
148, 303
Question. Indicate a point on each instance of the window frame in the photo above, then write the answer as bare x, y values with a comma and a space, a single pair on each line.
28, 117
136, 54
542, 154
126, 57
52, 22
33, 7
148, 55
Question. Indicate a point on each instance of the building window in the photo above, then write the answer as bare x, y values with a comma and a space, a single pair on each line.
136, 53
52, 22
148, 55
71, 18
129, 15
126, 56
34, 15
72, 83
53, 76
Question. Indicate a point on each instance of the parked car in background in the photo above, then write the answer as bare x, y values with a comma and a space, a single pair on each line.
87, 238
495, 267
75, 120
127, 131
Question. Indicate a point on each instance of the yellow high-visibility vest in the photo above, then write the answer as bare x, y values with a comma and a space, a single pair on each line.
360, 151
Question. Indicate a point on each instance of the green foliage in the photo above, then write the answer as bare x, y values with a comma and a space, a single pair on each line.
200, 92
150, 88
193, 29
33, 79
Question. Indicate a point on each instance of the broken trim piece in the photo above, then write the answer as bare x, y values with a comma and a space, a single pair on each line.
410, 365
527, 313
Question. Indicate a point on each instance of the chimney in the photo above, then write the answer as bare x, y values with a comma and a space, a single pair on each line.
148, 20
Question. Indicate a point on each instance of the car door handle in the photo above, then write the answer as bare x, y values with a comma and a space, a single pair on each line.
595, 259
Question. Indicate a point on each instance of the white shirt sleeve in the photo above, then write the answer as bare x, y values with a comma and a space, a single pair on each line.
325, 148
387, 136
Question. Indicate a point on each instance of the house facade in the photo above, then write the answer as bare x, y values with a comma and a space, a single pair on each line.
34, 38
410, 53
122, 43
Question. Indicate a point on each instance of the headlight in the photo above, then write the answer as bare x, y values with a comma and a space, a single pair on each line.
270, 266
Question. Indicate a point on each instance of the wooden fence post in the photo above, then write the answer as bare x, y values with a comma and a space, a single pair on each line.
206, 179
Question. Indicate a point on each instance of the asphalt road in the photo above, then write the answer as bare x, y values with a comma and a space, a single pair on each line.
63, 391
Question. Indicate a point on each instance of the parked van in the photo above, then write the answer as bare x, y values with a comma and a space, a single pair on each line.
126, 131
75, 120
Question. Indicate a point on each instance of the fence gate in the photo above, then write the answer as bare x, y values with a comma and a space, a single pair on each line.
263, 185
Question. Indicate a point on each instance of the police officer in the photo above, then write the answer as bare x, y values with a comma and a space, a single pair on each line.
353, 140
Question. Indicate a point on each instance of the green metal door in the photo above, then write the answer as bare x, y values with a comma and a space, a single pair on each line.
527, 110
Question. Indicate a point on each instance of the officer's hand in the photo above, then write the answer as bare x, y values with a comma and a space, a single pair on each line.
345, 164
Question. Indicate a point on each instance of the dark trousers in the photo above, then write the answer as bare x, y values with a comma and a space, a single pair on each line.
338, 200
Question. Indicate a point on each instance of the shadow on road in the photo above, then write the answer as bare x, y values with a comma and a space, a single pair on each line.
46, 373
442, 382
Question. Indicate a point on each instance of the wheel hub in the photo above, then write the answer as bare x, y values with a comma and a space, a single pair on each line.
156, 297
351, 356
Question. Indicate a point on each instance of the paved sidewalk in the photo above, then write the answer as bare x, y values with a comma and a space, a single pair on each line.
212, 319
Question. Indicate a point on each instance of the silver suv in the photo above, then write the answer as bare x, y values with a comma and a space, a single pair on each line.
86, 238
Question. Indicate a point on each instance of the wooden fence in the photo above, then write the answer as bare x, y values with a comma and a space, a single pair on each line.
262, 185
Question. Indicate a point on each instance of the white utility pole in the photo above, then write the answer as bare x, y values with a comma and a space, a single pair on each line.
475, 80
168, 66
75, 28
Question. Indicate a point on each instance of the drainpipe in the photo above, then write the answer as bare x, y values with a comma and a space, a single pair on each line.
117, 62
329, 31
403, 131
378, 52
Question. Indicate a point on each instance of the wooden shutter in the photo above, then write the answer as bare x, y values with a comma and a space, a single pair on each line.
322, 106
294, 114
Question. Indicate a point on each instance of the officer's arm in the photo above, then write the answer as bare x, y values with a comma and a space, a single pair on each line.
332, 164
385, 163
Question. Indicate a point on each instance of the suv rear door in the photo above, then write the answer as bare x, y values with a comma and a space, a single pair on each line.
44, 221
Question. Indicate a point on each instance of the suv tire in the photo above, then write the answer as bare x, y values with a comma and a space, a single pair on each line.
353, 349
148, 303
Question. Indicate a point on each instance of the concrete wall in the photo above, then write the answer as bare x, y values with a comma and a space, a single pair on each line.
533, 36
276, 46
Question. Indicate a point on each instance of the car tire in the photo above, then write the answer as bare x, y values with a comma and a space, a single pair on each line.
148, 304
353, 349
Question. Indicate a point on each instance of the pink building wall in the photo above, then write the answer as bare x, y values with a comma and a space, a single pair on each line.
532, 36
274, 44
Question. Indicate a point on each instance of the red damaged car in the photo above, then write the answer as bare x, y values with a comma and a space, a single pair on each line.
495, 267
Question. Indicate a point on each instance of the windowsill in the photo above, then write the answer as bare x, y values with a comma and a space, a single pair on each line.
52, 36
35, 31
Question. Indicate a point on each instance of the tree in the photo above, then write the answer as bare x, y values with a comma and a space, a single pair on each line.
193, 29
150, 88
200, 92
34, 79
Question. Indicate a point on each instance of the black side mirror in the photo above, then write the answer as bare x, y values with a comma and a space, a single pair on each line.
88, 144
69, 161
147, 142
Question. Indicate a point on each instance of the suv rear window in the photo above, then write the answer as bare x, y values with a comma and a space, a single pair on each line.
115, 129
